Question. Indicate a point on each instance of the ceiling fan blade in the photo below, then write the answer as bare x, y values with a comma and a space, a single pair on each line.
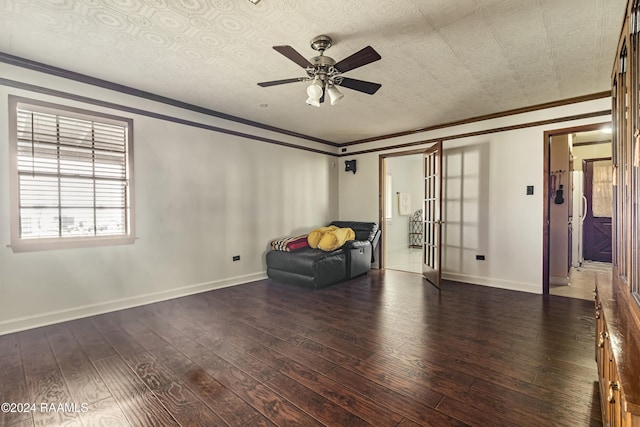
281, 82
360, 85
362, 57
293, 55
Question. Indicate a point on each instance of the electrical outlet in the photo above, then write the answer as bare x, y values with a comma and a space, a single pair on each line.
236, 257
480, 257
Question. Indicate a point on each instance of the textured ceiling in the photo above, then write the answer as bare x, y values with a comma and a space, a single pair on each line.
442, 60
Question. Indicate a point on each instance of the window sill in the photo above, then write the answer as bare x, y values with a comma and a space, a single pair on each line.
32, 245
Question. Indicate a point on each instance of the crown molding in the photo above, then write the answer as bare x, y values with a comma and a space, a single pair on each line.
560, 103
83, 78
152, 114
482, 132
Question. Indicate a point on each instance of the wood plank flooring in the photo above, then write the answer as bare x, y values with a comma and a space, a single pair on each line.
385, 349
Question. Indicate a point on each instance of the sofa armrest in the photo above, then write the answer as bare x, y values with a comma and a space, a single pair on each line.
362, 243
354, 244
358, 254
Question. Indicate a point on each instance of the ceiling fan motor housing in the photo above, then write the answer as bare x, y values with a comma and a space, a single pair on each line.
322, 65
321, 43
322, 61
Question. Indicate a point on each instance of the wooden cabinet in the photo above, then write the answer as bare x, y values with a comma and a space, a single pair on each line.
616, 340
617, 307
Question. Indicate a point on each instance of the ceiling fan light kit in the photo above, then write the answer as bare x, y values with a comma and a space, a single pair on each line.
325, 74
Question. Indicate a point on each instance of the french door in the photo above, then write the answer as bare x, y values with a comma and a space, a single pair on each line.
432, 211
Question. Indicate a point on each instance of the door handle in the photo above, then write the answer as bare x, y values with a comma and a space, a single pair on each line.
584, 208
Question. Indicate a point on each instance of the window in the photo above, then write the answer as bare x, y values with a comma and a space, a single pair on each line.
601, 185
71, 177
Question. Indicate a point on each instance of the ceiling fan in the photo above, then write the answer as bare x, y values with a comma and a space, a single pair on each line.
325, 74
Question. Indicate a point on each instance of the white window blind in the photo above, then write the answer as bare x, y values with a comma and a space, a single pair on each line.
72, 175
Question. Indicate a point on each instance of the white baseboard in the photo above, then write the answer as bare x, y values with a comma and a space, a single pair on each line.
533, 288
29, 322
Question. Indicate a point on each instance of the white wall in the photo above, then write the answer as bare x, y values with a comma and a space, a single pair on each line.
584, 152
486, 209
201, 197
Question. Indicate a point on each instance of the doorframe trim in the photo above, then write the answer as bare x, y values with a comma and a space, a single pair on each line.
546, 141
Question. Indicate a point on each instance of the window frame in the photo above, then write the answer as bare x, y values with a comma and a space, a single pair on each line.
19, 244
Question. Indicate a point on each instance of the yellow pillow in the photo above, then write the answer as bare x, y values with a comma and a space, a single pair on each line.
316, 235
335, 239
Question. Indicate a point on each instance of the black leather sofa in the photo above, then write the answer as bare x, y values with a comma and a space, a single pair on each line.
314, 268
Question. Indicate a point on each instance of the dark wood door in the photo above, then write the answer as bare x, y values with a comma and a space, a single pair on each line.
431, 255
596, 228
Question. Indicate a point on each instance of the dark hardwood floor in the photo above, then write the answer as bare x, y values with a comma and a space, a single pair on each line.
385, 349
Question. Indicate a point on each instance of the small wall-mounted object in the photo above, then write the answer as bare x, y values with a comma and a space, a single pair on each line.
350, 165
559, 197
529, 190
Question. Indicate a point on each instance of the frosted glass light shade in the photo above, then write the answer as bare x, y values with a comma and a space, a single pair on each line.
314, 90
334, 94
313, 101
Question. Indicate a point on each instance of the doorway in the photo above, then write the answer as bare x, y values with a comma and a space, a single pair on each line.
571, 230
402, 215
598, 212
411, 211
